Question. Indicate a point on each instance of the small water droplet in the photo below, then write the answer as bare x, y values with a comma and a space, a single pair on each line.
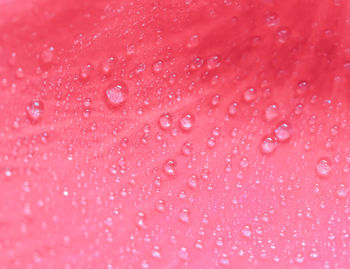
342, 191
246, 231
193, 41
269, 144
106, 66
140, 220
184, 215
215, 100
160, 206
186, 122
271, 112
283, 34
34, 110
169, 168
156, 252
232, 109
187, 148
192, 182
165, 121
283, 132
302, 88
157, 66
323, 167
117, 94
47, 55
213, 62
85, 72
249, 95
183, 254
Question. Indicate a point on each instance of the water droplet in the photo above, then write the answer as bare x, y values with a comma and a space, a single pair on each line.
283, 33
157, 66
323, 167
213, 62
165, 121
211, 143
47, 55
187, 148
249, 95
193, 41
34, 110
186, 122
283, 132
342, 191
140, 220
106, 66
246, 231
271, 112
184, 215
117, 94
244, 163
192, 182
232, 109
183, 254
85, 72
156, 252
196, 63
160, 206
302, 88
299, 258
19, 73
269, 144
215, 100
169, 168
272, 19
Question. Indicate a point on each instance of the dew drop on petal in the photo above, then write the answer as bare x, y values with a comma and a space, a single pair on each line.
323, 167
47, 55
283, 132
186, 148
157, 66
246, 231
269, 144
169, 168
271, 112
186, 122
165, 121
249, 95
232, 109
34, 110
184, 215
117, 94
342, 191
140, 220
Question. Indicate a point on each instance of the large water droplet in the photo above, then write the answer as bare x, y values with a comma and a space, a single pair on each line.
269, 144
186, 122
283, 132
165, 121
323, 167
34, 110
117, 94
